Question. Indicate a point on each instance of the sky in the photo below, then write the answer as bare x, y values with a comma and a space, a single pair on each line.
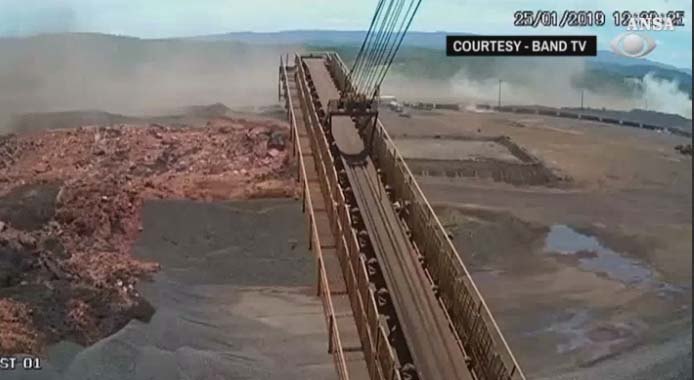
177, 18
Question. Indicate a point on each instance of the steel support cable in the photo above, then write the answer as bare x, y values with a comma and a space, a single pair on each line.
375, 50
384, 47
381, 48
383, 65
371, 48
381, 18
366, 54
392, 57
372, 83
366, 39
358, 68
370, 35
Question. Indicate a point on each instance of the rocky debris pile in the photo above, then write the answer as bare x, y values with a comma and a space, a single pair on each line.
684, 149
69, 213
17, 334
9, 148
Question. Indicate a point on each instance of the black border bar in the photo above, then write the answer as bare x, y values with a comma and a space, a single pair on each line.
535, 46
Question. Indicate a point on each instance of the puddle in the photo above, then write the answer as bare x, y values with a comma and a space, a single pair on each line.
574, 330
582, 332
595, 257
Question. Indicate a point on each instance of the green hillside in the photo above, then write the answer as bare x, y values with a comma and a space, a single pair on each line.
428, 63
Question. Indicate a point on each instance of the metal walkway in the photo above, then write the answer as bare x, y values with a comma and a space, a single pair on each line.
414, 308
431, 342
344, 341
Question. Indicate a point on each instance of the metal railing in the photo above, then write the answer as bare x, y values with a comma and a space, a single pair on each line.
379, 356
471, 318
335, 346
482, 340
466, 308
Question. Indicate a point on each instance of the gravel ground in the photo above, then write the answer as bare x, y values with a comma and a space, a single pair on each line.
233, 301
618, 305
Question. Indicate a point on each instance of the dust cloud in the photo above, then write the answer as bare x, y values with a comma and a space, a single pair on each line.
131, 76
554, 84
522, 83
411, 88
665, 96
52, 73
541, 82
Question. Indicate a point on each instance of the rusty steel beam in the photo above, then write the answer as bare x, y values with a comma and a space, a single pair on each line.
381, 361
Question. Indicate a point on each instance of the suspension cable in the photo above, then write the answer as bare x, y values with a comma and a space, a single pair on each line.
384, 47
383, 40
366, 38
392, 57
372, 51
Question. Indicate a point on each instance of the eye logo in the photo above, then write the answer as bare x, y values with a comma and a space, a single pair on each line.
632, 45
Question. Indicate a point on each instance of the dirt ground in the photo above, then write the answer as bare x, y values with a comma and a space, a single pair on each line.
590, 279
484, 157
70, 203
234, 299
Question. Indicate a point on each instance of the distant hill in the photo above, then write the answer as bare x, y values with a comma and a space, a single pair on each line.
597, 74
601, 71
643, 116
67, 119
608, 57
422, 54
432, 40
125, 75
131, 76
435, 40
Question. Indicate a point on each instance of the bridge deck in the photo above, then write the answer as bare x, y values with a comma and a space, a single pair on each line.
334, 284
431, 342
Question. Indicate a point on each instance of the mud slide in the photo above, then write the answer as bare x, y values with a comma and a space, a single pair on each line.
234, 300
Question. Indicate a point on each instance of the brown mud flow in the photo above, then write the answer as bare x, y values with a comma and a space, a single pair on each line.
235, 299
70, 203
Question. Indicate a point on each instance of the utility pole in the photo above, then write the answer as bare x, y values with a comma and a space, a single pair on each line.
499, 100
581, 98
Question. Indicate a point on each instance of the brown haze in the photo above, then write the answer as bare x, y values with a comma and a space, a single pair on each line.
549, 84
132, 76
